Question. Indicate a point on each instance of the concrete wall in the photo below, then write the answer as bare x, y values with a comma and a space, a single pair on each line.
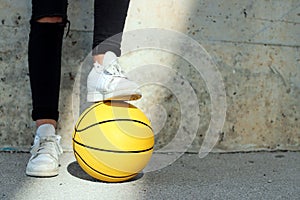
255, 45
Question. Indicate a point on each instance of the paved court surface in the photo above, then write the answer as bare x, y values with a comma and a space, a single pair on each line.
217, 176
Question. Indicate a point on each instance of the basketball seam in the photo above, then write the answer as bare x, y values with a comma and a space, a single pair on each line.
112, 120
112, 151
88, 112
81, 118
111, 176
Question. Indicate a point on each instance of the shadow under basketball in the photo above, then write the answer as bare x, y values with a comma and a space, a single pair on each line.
75, 170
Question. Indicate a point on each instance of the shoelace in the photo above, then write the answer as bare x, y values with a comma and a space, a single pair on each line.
114, 69
46, 145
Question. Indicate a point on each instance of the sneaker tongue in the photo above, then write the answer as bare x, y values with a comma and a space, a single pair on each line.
109, 57
45, 130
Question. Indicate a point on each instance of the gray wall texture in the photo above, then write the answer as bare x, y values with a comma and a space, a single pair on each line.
255, 45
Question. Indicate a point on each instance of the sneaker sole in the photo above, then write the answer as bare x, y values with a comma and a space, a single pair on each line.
42, 174
123, 95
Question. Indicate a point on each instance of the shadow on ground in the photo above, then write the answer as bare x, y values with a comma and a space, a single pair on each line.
75, 170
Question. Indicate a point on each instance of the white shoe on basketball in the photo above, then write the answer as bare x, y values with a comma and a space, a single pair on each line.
107, 82
45, 151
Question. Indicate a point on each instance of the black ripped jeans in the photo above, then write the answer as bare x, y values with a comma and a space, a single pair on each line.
45, 46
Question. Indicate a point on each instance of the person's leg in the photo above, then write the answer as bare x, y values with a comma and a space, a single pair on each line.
44, 58
105, 81
109, 20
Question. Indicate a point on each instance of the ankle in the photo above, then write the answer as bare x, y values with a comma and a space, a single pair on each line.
40, 122
99, 58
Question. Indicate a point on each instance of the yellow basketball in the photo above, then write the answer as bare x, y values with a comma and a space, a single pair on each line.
113, 141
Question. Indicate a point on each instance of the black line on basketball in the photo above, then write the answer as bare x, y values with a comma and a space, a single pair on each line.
91, 108
112, 120
112, 151
101, 172
85, 115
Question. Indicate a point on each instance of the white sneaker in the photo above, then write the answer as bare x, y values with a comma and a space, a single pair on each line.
45, 151
107, 82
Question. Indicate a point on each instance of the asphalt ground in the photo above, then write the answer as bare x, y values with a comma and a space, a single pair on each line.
257, 175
